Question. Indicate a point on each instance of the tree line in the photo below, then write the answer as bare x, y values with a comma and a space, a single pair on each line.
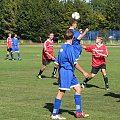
32, 19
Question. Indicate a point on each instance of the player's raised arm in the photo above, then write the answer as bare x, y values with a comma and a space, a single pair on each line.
83, 34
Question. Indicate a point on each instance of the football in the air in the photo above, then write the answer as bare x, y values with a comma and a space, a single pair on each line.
75, 15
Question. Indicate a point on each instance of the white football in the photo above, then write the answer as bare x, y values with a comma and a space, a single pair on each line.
75, 15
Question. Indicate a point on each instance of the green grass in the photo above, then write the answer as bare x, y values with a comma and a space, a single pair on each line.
24, 97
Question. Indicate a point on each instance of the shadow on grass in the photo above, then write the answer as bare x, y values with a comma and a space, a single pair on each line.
50, 106
91, 85
43, 76
55, 83
111, 94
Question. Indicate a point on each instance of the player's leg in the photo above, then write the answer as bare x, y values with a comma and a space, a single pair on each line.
18, 52
19, 56
41, 71
57, 104
65, 82
94, 71
54, 71
7, 55
86, 80
44, 64
12, 54
105, 79
78, 99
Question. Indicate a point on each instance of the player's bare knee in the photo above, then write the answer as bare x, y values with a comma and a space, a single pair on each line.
60, 94
92, 76
77, 89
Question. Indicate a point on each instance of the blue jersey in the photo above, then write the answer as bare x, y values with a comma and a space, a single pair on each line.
76, 43
15, 41
66, 57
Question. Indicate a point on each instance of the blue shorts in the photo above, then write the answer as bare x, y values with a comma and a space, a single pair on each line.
15, 49
67, 79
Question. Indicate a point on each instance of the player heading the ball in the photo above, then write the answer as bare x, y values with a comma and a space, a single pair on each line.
78, 35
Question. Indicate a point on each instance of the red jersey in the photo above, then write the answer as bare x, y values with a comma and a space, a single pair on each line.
9, 42
97, 59
48, 52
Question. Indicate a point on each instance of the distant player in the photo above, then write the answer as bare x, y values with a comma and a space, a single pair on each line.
15, 46
99, 52
48, 55
9, 47
78, 35
67, 63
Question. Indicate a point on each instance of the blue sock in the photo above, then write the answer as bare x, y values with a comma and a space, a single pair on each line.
78, 103
12, 55
56, 108
18, 55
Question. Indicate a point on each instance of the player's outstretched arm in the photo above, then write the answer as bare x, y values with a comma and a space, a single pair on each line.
84, 47
79, 68
83, 34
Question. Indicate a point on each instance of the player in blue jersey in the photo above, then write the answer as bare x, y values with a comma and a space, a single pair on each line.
78, 35
67, 63
15, 46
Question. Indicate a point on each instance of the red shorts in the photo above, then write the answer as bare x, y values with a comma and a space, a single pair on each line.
47, 61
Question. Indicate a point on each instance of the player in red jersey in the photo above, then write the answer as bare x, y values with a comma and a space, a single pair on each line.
9, 47
48, 55
99, 52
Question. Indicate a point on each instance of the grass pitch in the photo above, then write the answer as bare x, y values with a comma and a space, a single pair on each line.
24, 97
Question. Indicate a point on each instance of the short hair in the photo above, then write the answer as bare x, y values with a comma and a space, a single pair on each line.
51, 33
72, 22
68, 34
100, 38
15, 34
9, 34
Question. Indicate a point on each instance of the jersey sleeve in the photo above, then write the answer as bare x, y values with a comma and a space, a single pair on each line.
76, 34
46, 44
7, 42
71, 56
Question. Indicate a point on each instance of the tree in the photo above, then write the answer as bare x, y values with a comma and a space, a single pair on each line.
8, 15
24, 18
107, 13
